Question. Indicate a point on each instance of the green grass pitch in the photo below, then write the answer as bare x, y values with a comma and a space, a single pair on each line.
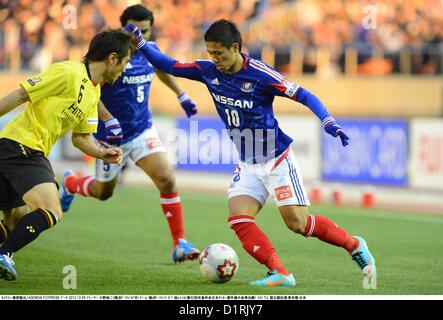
123, 247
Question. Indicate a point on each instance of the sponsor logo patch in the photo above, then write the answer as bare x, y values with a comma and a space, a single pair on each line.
291, 88
33, 81
92, 121
153, 143
283, 192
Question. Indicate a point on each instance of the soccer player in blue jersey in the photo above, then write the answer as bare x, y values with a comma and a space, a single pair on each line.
243, 90
126, 120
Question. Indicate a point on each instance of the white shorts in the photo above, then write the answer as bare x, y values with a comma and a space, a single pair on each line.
144, 145
279, 177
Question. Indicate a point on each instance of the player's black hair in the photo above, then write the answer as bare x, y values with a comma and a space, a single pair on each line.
108, 41
138, 13
225, 32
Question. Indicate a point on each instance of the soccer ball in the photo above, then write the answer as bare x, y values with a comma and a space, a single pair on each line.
218, 263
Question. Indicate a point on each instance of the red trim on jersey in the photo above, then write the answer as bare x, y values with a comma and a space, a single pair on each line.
186, 65
245, 63
282, 88
282, 157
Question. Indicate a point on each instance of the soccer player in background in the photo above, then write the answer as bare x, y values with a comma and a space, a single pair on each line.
60, 99
127, 121
243, 90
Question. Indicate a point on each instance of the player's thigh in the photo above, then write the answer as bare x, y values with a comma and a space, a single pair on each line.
247, 193
44, 196
285, 184
156, 166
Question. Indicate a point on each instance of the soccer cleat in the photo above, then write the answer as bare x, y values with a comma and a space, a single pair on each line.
7, 270
65, 196
364, 258
274, 279
184, 251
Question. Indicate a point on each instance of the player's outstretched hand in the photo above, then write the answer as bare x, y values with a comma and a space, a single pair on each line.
187, 104
114, 134
335, 130
112, 155
139, 40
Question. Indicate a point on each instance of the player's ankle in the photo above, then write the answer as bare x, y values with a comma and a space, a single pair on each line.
282, 270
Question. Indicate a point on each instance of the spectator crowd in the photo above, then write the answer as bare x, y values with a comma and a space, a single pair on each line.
32, 28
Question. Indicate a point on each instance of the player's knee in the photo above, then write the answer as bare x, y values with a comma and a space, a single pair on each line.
165, 182
296, 226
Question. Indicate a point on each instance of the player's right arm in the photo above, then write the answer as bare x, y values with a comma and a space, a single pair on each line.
13, 100
163, 62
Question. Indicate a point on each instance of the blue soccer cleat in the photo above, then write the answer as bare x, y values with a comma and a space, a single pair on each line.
364, 258
65, 196
274, 279
184, 251
7, 270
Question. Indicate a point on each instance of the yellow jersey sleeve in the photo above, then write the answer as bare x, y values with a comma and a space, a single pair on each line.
51, 82
63, 98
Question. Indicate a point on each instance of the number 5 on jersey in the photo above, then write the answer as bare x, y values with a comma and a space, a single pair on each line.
140, 94
233, 118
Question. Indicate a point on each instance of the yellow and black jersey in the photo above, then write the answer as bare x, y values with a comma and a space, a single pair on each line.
61, 98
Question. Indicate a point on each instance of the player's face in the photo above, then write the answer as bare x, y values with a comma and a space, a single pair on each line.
114, 67
224, 58
144, 26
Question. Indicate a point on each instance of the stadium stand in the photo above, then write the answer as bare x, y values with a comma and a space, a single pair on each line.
305, 36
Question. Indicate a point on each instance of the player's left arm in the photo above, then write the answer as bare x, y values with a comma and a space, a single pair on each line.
187, 104
114, 131
85, 143
13, 100
163, 62
293, 91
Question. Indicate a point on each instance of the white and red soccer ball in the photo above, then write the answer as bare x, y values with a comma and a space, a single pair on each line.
218, 263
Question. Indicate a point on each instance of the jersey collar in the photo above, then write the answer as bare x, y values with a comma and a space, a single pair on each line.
89, 73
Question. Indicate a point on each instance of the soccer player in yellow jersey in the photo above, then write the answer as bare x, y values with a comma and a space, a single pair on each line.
61, 99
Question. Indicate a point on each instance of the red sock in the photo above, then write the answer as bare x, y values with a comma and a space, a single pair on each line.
79, 185
172, 208
326, 230
256, 243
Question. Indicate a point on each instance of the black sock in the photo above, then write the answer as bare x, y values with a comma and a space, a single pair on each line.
4, 231
27, 230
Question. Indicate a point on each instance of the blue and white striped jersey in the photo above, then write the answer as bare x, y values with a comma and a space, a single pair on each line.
244, 102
